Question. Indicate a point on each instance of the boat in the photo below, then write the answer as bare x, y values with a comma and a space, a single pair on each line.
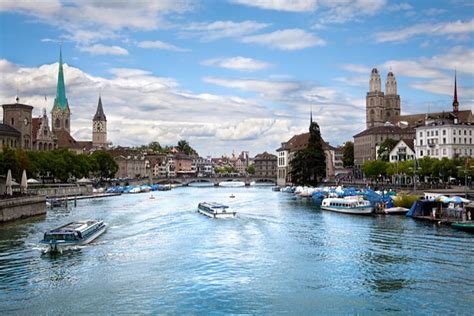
232, 196
73, 234
215, 210
394, 211
466, 226
232, 184
347, 205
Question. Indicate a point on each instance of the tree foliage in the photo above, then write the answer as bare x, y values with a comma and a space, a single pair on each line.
184, 147
385, 149
348, 154
374, 169
308, 166
251, 169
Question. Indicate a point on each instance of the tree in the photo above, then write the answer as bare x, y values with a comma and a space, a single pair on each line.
385, 149
155, 146
184, 147
348, 154
374, 168
308, 166
251, 169
104, 164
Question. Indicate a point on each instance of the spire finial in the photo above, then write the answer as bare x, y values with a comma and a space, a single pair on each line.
311, 114
455, 99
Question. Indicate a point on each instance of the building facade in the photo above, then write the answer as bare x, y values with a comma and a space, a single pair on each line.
43, 138
9, 136
403, 150
19, 116
265, 165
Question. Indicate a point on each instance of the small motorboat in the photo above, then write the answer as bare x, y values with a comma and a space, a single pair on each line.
215, 210
73, 234
152, 197
232, 196
466, 226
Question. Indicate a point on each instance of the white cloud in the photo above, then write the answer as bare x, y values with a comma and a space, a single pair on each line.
342, 11
439, 29
99, 49
222, 29
356, 68
161, 45
237, 63
399, 7
281, 5
289, 39
46, 8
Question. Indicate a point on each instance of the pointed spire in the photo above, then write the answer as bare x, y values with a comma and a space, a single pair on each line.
99, 114
455, 99
61, 99
311, 115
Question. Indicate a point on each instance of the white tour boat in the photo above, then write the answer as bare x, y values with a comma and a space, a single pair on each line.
349, 206
215, 210
232, 184
73, 234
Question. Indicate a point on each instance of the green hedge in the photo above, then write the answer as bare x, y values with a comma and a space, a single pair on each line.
405, 200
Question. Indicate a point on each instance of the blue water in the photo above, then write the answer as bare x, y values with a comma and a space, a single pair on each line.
279, 255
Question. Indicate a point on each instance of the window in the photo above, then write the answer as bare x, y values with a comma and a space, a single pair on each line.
436, 133
57, 123
454, 140
454, 132
421, 153
421, 142
444, 132
421, 134
444, 151
465, 140
465, 132
444, 140
428, 153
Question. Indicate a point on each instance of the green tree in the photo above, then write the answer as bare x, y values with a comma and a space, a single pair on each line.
10, 161
348, 154
104, 164
385, 149
184, 147
251, 169
375, 168
308, 166
155, 146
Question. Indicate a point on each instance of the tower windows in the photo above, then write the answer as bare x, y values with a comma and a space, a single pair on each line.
57, 123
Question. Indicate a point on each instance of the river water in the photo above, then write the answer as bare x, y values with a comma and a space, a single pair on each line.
279, 255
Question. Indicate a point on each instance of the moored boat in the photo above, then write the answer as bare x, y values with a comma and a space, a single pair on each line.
348, 206
73, 234
232, 184
215, 210
466, 226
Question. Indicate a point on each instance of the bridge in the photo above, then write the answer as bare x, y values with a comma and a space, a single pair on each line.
185, 181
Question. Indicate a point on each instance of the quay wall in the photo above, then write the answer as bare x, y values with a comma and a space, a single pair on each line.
62, 190
21, 207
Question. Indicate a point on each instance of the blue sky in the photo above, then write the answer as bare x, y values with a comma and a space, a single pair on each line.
233, 75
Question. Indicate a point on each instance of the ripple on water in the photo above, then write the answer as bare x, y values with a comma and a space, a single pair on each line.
279, 255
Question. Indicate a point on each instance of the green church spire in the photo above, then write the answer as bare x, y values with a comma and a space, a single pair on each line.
61, 99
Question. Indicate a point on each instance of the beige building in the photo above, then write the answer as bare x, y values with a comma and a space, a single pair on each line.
19, 116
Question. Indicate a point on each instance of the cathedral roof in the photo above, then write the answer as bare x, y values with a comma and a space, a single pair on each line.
61, 100
99, 114
8, 130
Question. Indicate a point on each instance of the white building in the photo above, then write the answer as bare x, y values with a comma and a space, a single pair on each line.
444, 138
402, 151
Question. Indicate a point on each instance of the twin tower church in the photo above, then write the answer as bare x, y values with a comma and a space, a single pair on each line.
20, 130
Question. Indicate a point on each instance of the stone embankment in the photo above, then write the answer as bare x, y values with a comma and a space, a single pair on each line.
21, 207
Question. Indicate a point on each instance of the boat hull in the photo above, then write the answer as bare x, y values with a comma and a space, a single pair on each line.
355, 211
218, 214
468, 226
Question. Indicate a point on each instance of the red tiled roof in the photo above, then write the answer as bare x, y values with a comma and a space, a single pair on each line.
265, 156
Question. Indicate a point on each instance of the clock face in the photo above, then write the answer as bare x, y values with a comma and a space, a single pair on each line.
99, 126
25, 121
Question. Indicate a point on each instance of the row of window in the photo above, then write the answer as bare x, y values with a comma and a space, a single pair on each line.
434, 141
435, 132
457, 151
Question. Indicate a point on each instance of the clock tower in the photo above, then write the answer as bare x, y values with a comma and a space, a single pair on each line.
99, 127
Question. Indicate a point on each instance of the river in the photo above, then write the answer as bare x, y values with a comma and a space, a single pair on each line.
279, 255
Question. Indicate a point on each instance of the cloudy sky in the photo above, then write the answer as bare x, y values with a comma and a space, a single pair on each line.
232, 75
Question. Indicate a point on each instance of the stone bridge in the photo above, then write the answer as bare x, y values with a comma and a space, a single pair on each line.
185, 181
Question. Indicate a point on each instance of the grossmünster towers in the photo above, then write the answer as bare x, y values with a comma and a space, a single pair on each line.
381, 107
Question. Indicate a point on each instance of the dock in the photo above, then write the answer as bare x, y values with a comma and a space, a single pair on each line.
84, 197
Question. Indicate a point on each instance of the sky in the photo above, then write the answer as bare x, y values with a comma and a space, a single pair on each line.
233, 75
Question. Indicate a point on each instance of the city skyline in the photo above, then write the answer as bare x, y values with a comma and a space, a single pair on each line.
233, 75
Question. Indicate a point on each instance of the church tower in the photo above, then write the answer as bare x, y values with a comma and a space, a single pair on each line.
99, 127
61, 114
392, 99
375, 107
455, 99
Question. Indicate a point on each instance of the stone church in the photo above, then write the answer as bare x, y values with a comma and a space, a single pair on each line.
20, 130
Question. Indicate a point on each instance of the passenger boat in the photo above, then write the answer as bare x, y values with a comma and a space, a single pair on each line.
73, 234
466, 226
215, 210
232, 184
349, 206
